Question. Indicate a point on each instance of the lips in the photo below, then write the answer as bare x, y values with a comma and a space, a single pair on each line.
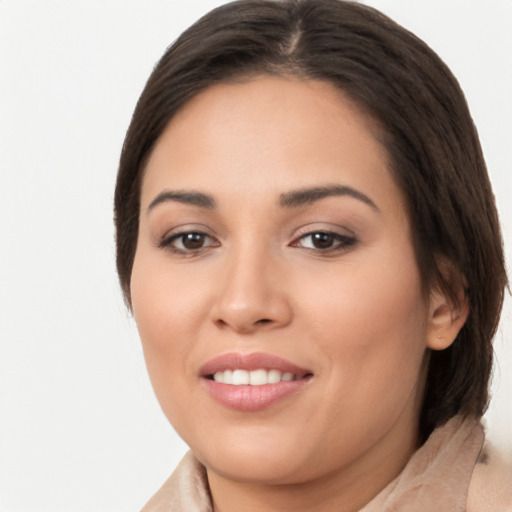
252, 382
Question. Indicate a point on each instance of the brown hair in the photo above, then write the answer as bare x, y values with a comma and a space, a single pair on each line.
432, 143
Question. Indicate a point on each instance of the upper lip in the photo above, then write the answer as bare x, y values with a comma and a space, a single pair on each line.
255, 361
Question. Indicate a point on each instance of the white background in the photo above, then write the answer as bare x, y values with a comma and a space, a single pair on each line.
80, 429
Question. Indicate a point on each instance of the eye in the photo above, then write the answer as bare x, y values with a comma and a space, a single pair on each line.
189, 242
324, 241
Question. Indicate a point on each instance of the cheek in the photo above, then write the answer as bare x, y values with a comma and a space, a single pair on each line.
370, 331
168, 312
373, 325
166, 300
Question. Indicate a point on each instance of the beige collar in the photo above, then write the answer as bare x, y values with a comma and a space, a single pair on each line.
437, 476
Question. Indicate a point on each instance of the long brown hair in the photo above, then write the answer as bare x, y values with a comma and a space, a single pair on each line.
426, 127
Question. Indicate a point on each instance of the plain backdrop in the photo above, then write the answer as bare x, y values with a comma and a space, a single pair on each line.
80, 429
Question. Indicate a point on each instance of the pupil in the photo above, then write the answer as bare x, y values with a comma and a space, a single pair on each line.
322, 240
193, 240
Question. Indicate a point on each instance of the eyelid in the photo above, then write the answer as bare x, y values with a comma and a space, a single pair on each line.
342, 241
345, 237
322, 227
165, 241
189, 227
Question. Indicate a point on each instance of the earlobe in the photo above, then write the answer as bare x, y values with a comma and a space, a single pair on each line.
446, 319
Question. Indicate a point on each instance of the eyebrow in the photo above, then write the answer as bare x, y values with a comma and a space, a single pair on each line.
306, 196
291, 199
183, 196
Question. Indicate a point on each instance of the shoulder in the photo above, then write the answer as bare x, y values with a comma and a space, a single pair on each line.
490, 489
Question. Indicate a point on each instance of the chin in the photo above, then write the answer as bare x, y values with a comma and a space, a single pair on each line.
254, 457
256, 468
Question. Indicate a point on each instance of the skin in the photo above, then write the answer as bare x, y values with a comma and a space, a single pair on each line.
354, 314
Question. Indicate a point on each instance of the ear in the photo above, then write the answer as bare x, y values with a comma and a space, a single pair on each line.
446, 318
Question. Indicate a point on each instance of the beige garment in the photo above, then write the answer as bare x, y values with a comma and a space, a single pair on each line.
436, 478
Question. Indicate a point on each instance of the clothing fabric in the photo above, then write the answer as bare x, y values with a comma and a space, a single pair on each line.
452, 472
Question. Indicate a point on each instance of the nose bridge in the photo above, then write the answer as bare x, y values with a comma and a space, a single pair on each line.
251, 295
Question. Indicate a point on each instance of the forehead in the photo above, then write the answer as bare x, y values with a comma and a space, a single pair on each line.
286, 132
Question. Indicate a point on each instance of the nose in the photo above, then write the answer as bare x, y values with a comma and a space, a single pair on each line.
252, 294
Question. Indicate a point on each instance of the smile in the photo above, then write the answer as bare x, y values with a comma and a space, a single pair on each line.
252, 382
259, 377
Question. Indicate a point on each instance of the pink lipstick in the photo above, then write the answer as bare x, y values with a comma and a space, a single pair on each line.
252, 382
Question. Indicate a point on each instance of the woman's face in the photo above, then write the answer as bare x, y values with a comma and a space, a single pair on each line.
274, 241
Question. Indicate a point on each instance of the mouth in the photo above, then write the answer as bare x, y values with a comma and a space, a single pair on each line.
251, 382
259, 377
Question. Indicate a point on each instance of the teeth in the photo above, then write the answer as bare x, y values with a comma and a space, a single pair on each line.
274, 376
258, 377
225, 377
254, 377
240, 377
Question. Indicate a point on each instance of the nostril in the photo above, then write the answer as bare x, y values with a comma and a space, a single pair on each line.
264, 321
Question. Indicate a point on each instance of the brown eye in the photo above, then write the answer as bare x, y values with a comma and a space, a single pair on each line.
193, 241
325, 241
188, 242
322, 240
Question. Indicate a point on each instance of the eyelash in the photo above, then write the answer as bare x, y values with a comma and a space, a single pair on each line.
167, 243
338, 242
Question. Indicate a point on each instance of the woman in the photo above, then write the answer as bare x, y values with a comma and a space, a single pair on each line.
308, 240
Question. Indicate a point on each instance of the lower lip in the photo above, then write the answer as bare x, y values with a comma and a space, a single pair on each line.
253, 398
